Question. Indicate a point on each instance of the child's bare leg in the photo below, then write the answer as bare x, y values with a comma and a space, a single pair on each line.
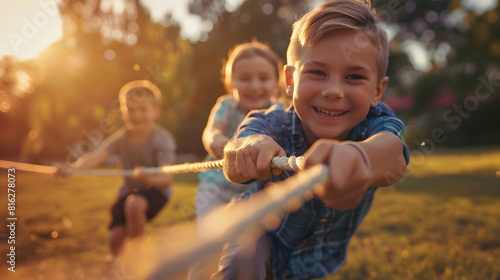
135, 213
117, 237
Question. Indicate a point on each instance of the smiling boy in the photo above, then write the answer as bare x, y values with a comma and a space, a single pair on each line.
140, 143
337, 60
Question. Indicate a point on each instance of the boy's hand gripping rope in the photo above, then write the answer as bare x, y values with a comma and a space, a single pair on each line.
286, 163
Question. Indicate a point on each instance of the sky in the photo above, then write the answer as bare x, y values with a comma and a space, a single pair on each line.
28, 26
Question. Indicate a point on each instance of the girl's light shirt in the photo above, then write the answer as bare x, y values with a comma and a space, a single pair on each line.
227, 112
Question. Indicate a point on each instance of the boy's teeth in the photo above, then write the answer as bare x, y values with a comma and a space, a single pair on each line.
329, 113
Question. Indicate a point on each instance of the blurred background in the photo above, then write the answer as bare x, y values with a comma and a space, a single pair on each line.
62, 63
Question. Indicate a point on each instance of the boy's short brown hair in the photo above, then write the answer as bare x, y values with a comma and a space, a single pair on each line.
138, 90
335, 15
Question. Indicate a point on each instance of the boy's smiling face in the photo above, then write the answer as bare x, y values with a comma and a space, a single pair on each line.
334, 84
139, 114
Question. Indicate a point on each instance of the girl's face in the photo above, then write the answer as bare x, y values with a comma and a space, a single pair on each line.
254, 82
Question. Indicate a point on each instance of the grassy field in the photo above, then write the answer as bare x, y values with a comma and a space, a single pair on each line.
442, 221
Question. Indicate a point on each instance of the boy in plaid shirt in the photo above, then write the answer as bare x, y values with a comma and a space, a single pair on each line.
337, 60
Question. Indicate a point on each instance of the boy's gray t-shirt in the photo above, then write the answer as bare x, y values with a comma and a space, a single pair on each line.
159, 147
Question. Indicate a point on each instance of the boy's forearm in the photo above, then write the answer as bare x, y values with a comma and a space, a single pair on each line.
160, 181
90, 160
385, 153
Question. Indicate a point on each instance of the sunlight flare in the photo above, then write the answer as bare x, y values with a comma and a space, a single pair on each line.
29, 27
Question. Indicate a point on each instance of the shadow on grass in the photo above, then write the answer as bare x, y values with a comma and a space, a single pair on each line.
452, 185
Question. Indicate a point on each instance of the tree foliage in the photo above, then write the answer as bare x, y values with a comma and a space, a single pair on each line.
461, 46
266, 21
73, 105
63, 103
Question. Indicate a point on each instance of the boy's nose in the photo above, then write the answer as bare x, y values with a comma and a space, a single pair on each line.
254, 83
333, 90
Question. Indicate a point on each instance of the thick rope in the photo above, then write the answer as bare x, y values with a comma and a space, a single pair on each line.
245, 221
292, 163
27, 167
286, 163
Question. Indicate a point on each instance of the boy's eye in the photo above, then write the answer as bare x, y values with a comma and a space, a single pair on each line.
264, 78
355, 77
318, 73
243, 78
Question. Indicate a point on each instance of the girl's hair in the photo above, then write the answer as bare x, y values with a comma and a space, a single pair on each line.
334, 15
248, 50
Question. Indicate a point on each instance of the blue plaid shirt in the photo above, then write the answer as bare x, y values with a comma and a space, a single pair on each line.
312, 242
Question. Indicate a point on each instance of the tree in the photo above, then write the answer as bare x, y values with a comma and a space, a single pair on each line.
17, 83
266, 21
74, 104
463, 53
459, 43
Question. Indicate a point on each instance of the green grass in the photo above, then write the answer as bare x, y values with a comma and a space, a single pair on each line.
432, 228
440, 222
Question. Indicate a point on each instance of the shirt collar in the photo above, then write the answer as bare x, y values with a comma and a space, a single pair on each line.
298, 141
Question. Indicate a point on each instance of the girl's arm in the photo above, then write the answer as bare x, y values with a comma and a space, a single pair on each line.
214, 138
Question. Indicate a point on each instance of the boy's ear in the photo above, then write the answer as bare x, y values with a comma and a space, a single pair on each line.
158, 111
288, 72
379, 91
